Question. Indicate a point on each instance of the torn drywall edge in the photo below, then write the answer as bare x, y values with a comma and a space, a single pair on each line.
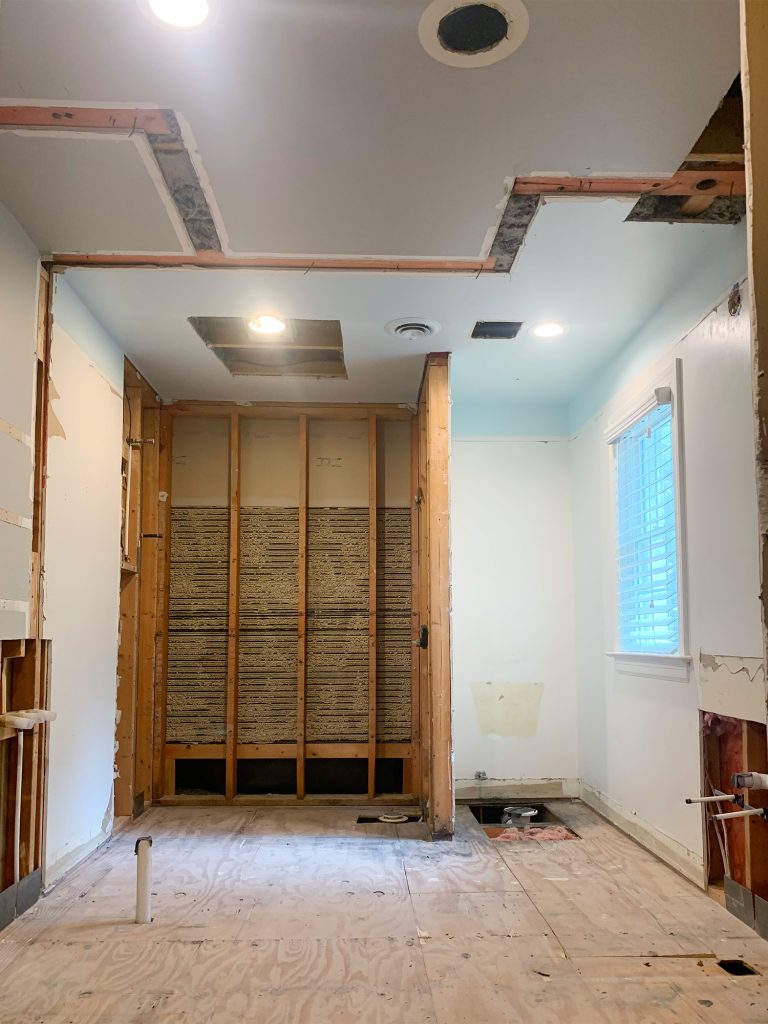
733, 686
687, 862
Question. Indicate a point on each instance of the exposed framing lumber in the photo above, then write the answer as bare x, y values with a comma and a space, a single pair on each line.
719, 181
159, 778
412, 782
372, 601
301, 635
281, 751
42, 384
222, 261
754, 81
148, 605
434, 411
292, 411
233, 627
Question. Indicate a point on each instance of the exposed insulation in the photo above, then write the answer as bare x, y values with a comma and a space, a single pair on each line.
337, 625
393, 625
197, 625
268, 624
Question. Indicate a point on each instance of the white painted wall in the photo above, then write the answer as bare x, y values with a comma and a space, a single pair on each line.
513, 612
639, 749
19, 274
82, 579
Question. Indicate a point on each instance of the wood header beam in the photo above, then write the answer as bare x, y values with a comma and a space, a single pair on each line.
213, 260
720, 181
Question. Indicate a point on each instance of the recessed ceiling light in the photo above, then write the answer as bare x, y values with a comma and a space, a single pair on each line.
180, 13
267, 325
548, 329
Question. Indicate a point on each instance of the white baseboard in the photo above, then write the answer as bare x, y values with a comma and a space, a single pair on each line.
664, 847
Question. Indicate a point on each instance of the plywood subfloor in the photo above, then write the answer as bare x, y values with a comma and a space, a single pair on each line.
300, 916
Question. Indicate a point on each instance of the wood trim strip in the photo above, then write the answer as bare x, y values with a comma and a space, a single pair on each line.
726, 182
372, 596
222, 261
233, 626
301, 638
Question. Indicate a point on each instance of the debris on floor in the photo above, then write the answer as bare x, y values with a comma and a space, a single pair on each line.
539, 834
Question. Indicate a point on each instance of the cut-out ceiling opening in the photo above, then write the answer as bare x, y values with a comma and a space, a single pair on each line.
472, 28
467, 35
307, 348
498, 330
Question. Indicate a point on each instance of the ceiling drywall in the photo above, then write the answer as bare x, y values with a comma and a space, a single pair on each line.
325, 127
88, 193
581, 265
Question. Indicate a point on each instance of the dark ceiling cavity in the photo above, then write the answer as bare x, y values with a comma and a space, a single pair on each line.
307, 348
498, 330
473, 28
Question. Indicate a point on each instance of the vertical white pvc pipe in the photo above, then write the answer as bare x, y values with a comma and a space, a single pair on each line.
17, 807
143, 852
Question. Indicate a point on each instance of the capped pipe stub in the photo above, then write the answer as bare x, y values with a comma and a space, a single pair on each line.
141, 839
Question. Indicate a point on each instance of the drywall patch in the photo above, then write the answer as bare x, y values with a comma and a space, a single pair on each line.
732, 686
508, 709
513, 227
670, 210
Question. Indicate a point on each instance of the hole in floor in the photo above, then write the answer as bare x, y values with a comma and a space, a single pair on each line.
387, 819
515, 820
737, 967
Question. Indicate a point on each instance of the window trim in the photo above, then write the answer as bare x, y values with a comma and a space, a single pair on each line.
664, 386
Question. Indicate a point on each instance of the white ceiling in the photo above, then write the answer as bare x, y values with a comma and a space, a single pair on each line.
581, 264
325, 128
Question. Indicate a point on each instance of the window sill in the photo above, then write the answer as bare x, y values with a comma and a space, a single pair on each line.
674, 667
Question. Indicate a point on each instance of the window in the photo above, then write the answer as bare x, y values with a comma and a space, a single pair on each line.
646, 534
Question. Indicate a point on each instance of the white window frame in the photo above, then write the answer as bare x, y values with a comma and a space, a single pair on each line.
661, 385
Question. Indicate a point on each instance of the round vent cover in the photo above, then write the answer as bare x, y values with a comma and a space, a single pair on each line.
413, 328
473, 35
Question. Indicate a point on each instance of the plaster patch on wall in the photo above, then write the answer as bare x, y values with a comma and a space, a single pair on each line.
508, 709
733, 686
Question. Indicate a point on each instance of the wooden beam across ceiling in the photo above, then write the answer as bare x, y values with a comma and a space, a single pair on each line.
719, 181
219, 261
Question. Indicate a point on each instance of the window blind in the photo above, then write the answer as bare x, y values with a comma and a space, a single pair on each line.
647, 536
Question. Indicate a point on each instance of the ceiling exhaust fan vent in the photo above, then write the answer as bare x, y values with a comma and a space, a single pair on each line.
412, 329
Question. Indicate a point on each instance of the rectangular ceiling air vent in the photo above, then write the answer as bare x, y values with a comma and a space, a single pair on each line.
497, 330
306, 348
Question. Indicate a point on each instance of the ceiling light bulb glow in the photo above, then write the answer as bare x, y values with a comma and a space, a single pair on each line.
549, 329
267, 325
180, 13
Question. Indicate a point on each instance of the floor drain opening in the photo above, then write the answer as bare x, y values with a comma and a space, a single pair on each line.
388, 819
737, 967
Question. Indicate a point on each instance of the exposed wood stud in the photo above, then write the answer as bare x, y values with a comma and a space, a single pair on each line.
301, 651
726, 182
434, 411
414, 775
218, 260
149, 547
161, 625
233, 627
372, 576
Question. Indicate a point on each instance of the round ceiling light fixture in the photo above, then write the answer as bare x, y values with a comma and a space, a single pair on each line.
412, 328
548, 329
472, 35
180, 13
267, 324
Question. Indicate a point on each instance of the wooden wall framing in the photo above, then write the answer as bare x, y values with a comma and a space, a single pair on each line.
167, 754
